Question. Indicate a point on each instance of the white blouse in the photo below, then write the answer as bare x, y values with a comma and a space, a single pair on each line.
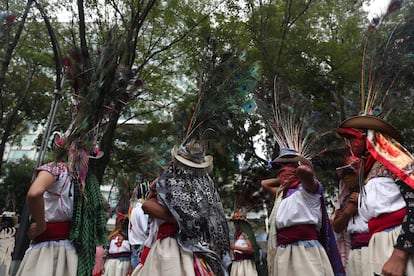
382, 195
58, 198
118, 245
301, 207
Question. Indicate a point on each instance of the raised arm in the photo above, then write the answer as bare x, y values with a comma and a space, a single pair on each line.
271, 185
307, 178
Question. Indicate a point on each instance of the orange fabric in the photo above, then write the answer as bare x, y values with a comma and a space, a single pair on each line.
392, 155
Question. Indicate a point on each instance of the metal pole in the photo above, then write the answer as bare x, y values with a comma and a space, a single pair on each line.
22, 242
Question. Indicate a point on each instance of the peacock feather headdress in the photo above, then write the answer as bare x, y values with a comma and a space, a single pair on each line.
388, 60
99, 83
225, 94
387, 80
291, 125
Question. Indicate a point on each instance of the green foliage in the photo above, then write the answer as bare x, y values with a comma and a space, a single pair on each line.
314, 46
15, 183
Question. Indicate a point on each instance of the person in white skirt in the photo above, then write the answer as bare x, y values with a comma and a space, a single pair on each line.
387, 198
243, 251
118, 257
58, 240
193, 237
300, 220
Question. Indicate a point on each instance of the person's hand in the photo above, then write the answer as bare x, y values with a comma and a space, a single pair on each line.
353, 198
304, 172
396, 264
352, 207
35, 230
306, 175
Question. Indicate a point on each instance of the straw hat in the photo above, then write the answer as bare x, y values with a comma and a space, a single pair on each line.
372, 122
192, 155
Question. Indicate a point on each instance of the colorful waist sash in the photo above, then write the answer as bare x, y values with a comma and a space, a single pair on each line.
291, 234
243, 256
55, 231
385, 221
359, 240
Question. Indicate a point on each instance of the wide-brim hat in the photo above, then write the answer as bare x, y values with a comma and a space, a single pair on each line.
372, 122
351, 165
207, 162
287, 155
348, 169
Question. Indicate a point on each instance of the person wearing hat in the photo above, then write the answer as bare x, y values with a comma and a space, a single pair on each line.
300, 220
193, 235
64, 232
386, 199
346, 221
118, 257
138, 225
243, 251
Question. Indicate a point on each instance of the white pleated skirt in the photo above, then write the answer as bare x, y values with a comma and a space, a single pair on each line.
50, 258
357, 262
243, 268
380, 248
116, 267
166, 259
302, 258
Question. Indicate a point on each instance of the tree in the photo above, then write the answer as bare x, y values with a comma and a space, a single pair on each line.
14, 185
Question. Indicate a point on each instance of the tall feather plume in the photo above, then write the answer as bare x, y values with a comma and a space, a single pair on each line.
293, 122
225, 92
98, 84
388, 59
289, 124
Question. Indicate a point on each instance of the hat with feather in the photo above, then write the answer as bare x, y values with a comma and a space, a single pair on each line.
295, 139
387, 69
387, 73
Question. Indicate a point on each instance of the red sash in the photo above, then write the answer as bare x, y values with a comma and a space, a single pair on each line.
144, 254
119, 255
359, 240
385, 221
291, 234
166, 230
243, 256
55, 231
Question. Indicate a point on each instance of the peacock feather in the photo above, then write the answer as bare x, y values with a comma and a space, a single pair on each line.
99, 83
388, 60
225, 92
